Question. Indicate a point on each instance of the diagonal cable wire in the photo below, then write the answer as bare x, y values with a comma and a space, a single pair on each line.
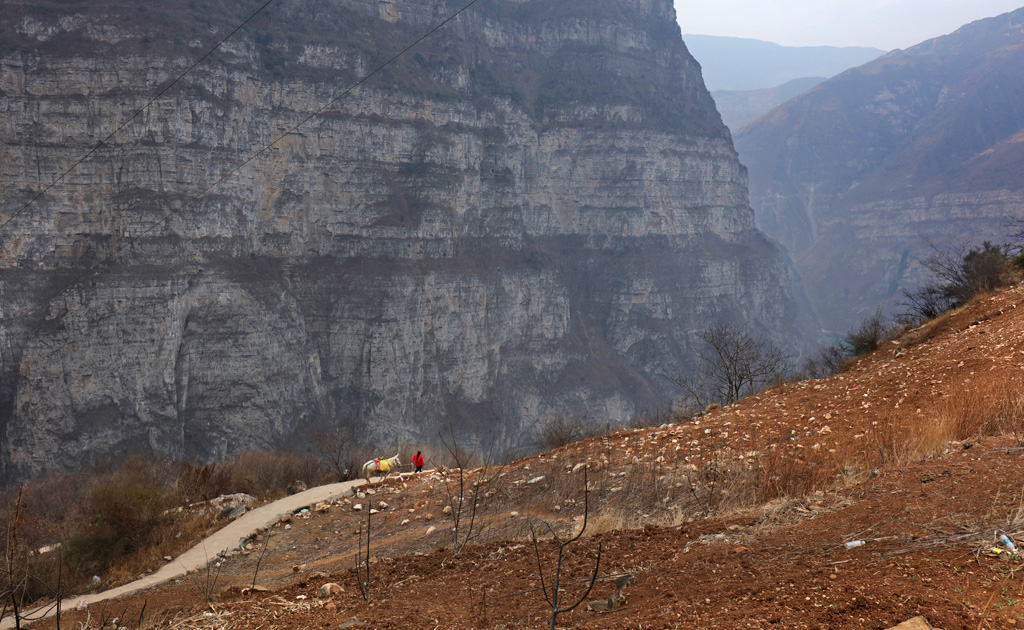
131, 241
113, 133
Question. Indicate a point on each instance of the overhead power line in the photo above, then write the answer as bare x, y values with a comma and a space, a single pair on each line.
131, 241
113, 133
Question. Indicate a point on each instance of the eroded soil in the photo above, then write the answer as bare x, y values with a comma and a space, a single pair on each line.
676, 505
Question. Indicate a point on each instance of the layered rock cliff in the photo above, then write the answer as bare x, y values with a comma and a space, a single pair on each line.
531, 212
858, 175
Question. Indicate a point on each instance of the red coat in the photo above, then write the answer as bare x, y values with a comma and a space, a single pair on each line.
417, 460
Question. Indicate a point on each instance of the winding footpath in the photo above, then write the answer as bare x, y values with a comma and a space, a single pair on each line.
229, 538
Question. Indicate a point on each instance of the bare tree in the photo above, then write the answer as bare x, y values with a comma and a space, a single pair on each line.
16, 560
464, 498
553, 594
734, 364
335, 449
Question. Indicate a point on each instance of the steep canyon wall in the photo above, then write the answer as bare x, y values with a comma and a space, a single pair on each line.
532, 212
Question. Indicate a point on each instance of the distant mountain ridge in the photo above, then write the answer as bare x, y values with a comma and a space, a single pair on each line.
739, 107
737, 63
855, 174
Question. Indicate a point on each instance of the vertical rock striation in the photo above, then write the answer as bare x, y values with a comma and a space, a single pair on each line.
531, 212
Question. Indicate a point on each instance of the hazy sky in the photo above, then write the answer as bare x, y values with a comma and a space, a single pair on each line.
884, 24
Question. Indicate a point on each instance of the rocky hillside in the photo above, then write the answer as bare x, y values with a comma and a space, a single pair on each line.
925, 143
532, 212
860, 501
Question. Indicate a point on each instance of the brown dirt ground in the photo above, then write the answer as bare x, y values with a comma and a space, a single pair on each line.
708, 513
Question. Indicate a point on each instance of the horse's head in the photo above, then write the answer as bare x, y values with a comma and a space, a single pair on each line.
398, 462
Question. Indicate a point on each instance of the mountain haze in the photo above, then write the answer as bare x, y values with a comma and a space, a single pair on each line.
739, 107
532, 212
737, 63
854, 175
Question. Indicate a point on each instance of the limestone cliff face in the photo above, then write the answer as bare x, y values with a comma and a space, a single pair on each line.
858, 174
532, 212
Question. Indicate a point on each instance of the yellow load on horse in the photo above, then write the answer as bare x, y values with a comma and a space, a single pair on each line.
378, 465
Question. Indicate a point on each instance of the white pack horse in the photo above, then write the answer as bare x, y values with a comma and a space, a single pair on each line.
377, 466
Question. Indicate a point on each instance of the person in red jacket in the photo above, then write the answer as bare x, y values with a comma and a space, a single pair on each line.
417, 461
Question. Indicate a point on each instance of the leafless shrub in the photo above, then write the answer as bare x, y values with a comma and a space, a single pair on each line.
869, 334
704, 475
959, 272
922, 304
825, 362
652, 418
202, 482
265, 473
463, 498
204, 581
363, 559
562, 429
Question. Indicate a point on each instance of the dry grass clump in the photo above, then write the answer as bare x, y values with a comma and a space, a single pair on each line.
965, 413
782, 475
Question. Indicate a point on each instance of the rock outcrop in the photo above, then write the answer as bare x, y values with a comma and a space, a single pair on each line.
856, 176
531, 212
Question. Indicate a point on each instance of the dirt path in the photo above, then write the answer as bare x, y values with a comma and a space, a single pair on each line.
228, 538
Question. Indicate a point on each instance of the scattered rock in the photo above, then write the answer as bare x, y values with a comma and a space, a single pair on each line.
382, 506
357, 507
254, 589
298, 567
297, 486
917, 623
447, 509
329, 589
233, 513
431, 529
351, 623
